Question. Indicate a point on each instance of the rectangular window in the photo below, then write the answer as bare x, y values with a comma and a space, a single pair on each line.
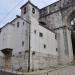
56, 49
25, 10
55, 36
44, 46
18, 24
22, 43
23, 23
35, 31
41, 34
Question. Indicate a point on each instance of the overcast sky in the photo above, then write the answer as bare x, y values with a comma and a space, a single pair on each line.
10, 8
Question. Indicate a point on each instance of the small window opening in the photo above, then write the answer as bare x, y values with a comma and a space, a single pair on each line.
20, 52
35, 31
55, 36
18, 24
44, 46
33, 10
41, 34
33, 53
56, 49
42, 23
23, 23
25, 10
22, 43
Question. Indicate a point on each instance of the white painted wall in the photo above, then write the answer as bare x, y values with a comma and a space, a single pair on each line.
4, 37
37, 42
12, 36
20, 34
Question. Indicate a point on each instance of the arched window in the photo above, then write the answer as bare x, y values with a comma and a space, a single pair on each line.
33, 10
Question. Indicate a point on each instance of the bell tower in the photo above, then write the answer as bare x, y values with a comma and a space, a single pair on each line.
29, 10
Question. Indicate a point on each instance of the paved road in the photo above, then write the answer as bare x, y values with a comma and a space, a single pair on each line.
6, 73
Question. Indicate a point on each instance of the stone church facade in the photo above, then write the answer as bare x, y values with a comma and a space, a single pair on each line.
58, 17
39, 38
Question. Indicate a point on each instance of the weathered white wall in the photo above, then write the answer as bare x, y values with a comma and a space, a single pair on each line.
12, 36
20, 34
70, 49
57, 20
38, 42
54, 20
4, 40
61, 46
43, 57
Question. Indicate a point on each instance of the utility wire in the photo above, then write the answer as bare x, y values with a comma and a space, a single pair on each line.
10, 12
5, 17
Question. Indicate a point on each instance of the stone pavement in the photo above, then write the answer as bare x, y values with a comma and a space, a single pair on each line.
63, 70
6, 73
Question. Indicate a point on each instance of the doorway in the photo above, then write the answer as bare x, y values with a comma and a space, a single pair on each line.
7, 58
